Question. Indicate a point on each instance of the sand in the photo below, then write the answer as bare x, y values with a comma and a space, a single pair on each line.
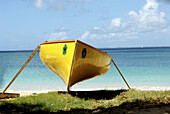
24, 93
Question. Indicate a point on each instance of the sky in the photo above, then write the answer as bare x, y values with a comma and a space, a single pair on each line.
24, 24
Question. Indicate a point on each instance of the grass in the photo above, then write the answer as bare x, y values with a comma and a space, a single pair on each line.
120, 101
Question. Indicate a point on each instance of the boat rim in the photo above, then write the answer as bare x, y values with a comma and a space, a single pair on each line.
66, 41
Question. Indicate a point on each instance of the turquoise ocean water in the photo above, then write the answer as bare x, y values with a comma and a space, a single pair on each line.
143, 68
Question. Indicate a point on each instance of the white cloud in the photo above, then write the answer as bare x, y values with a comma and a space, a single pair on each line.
148, 17
148, 21
57, 4
164, 30
133, 14
116, 22
61, 29
56, 36
39, 3
85, 35
112, 34
96, 28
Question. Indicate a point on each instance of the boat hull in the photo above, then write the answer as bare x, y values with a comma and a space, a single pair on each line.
74, 61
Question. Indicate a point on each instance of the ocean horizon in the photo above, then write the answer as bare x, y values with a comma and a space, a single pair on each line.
144, 68
107, 48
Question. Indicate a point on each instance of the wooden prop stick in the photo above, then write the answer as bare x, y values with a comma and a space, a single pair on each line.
25, 64
121, 74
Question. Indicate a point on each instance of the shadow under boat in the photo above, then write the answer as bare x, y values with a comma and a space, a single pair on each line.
97, 94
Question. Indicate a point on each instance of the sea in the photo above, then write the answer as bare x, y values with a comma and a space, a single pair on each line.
145, 68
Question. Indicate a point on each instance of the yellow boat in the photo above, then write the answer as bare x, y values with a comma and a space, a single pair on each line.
74, 61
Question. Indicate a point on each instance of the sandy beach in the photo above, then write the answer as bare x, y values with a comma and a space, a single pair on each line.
25, 93
82, 88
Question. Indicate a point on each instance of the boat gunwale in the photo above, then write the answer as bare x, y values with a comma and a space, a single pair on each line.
67, 41
59, 41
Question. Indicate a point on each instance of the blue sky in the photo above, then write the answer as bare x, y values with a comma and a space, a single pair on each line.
102, 23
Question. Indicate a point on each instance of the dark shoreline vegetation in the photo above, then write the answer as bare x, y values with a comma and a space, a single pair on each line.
104, 101
114, 48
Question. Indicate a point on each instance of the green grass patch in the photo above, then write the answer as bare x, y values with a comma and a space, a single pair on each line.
84, 102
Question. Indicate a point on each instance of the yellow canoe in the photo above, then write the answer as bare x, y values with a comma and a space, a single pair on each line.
74, 61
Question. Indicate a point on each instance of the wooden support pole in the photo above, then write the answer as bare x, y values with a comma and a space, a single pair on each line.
120, 74
25, 64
